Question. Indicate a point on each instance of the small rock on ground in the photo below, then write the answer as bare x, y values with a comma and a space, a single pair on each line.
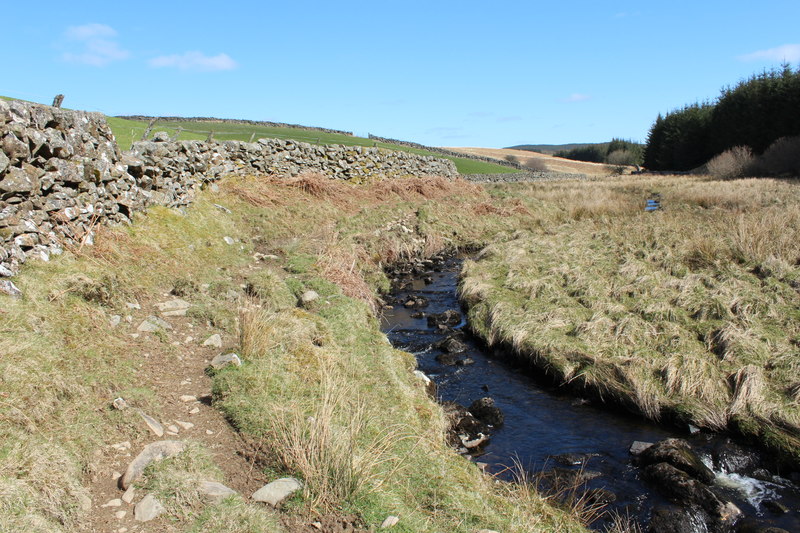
277, 491
390, 521
147, 509
309, 297
153, 323
152, 452
224, 360
214, 492
215, 341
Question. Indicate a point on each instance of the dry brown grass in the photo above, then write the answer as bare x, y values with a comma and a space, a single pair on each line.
657, 309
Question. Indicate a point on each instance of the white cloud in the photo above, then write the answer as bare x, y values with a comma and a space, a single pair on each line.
786, 52
194, 61
98, 48
89, 31
576, 97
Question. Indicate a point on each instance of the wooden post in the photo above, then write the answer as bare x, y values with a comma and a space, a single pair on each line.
177, 133
210, 136
147, 131
58, 100
253, 136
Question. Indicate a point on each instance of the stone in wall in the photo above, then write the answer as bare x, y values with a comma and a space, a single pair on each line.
62, 173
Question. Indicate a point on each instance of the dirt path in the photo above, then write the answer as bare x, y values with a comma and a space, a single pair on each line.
172, 366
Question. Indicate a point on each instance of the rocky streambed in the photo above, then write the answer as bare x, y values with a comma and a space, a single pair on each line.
507, 419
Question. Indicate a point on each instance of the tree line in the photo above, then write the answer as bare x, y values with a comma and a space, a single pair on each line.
754, 113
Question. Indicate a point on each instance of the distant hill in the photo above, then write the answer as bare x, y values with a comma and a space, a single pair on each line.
549, 148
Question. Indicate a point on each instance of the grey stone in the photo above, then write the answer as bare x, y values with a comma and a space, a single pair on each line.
222, 361
215, 341
390, 521
8, 287
276, 492
147, 509
309, 297
155, 451
153, 323
154, 425
18, 180
637, 447
176, 307
214, 492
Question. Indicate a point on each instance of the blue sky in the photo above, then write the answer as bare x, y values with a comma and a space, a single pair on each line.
440, 73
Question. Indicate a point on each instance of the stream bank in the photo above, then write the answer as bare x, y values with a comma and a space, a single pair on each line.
563, 441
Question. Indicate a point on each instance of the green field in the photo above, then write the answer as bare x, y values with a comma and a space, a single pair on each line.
127, 131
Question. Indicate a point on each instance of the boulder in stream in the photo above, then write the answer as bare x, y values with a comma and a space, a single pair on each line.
487, 412
677, 453
450, 318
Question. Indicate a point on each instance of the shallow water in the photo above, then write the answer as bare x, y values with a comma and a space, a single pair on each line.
541, 422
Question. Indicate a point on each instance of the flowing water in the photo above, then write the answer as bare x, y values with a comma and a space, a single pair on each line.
545, 428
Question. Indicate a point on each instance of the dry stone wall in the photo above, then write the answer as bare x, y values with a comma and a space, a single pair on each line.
62, 173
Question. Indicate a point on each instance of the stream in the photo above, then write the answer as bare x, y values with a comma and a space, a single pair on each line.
548, 430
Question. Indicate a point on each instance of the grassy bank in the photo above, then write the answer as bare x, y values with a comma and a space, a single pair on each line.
320, 395
688, 312
127, 131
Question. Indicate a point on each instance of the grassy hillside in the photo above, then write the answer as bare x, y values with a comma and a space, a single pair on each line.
127, 131
321, 395
688, 312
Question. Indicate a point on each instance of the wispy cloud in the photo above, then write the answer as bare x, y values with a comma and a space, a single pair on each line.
97, 45
444, 131
576, 97
194, 61
786, 52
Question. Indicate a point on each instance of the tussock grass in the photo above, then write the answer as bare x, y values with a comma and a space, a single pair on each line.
64, 363
689, 311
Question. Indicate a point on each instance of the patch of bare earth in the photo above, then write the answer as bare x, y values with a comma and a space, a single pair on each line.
172, 365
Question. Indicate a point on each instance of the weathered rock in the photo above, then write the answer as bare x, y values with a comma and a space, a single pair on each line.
154, 425
451, 317
129, 495
176, 307
430, 386
487, 412
682, 489
214, 492
152, 324
732, 458
677, 520
453, 345
638, 447
221, 361
679, 454
390, 521
155, 451
148, 509
215, 341
309, 297
8, 287
276, 492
